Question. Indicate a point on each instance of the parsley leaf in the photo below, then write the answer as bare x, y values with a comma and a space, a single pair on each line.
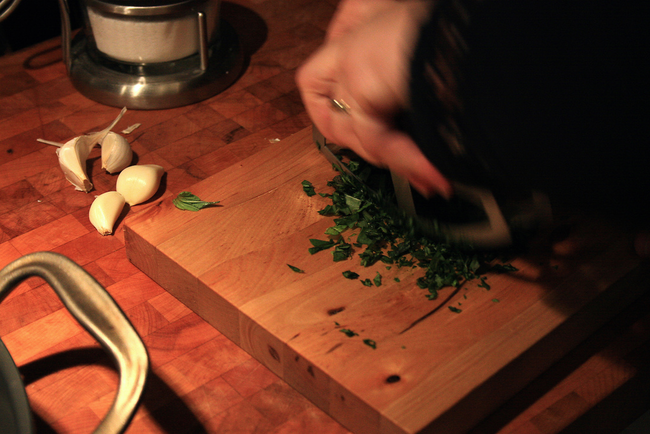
295, 269
350, 275
308, 188
503, 268
320, 245
349, 333
342, 252
372, 344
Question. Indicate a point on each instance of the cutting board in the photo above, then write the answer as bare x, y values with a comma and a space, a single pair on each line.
432, 369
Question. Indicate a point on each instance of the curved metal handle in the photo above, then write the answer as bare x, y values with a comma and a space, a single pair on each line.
98, 313
7, 7
66, 34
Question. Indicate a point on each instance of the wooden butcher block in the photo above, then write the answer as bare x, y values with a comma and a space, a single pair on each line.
440, 372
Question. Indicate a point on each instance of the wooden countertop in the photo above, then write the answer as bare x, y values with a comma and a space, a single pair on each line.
200, 380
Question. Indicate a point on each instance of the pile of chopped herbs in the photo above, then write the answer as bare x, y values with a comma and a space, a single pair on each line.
369, 224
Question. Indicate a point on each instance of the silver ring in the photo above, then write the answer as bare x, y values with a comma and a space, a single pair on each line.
340, 105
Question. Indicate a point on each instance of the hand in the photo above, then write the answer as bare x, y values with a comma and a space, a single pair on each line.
364, 65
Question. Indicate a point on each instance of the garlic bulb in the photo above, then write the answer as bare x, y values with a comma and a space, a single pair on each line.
105, 210
139, 183
72, 159
116, 153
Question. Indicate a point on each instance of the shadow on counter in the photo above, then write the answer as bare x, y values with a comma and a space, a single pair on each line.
162, 404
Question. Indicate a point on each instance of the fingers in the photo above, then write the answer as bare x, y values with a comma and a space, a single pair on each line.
386, 147
367, 133
352, 13
315, 79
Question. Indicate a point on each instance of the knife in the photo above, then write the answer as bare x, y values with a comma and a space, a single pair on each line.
497, 230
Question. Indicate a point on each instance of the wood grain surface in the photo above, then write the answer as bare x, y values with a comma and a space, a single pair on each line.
201, 379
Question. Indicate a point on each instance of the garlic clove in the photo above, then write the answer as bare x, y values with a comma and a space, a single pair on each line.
72, 159
105, 210
74, 153
116, 153
139, 183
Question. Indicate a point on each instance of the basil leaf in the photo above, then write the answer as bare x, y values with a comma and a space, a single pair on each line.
187, 201
350, 275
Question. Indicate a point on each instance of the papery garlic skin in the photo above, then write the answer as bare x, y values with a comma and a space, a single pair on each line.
72, 159
139, 183
105, 210
116, 153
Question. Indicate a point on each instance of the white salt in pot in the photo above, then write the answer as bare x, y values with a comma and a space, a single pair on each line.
149, 31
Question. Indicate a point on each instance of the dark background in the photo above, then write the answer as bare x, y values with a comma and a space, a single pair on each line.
34, 21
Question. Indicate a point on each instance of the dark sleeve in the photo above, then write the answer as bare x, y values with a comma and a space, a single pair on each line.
540, 94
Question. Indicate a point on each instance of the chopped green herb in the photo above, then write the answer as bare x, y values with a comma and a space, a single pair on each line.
349, 333
308, 188
296, 269
377, 280
187, 201
372, 344
484, 284
455, 309
496, 300
350, 275
342, 252
320, 245
335, 230
370, 257
385, 233
396, 279
503, 268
